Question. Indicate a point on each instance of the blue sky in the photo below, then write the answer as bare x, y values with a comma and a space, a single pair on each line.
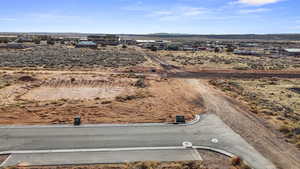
151, 16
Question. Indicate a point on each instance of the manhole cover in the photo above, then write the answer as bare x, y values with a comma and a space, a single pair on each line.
214, 140
187, 144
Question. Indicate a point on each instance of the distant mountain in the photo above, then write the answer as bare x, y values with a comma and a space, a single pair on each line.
291, 37
169, 34
295, 37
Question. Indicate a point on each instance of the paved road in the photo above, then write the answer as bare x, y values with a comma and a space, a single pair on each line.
209, 128
107, 157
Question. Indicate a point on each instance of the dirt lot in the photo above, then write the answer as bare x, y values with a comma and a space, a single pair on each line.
212, 60
276, 100
56, 98
215, 160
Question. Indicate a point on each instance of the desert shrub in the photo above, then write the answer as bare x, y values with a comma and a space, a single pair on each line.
145, 165
140, 83
238, 163
236, 85
296, 66
191, 165
284, 128
256, 66
241, 68
106, 102
125, 98
26, 79
235, 161
140, 94
228, 62
298, 144
267, 112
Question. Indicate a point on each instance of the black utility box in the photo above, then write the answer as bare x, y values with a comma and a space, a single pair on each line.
180, 119
77, 121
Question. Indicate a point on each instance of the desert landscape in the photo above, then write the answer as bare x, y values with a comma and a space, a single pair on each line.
125, 84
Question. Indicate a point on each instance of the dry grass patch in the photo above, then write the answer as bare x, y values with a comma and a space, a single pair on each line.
275, 100
206, 59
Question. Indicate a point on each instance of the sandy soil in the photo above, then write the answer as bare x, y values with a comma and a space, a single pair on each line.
58, 98
215, 160
251, 128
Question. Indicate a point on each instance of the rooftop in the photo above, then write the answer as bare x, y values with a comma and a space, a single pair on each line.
87, 43
293, 50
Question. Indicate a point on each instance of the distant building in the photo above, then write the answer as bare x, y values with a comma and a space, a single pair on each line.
202, 48
14, 45
151, 44
86, 44
104, 39
128, 42
153, 41
292, 51
145, 41
25, 39
246, 52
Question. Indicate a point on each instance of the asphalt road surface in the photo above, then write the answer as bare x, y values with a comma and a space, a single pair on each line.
210, 131
107, 157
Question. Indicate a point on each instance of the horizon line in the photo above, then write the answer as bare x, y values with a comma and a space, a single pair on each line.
162, 33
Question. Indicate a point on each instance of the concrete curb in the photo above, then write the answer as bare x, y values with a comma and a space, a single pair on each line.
118, 149
115, 150
195, 153
223, 152
194, 121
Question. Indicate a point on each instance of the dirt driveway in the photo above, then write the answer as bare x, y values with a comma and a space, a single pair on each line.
252, 129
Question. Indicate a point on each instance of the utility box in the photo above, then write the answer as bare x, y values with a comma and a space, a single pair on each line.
180, 120
77, 121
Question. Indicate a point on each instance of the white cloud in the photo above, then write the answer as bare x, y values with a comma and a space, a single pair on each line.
177, 13
258, 10
257, 2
